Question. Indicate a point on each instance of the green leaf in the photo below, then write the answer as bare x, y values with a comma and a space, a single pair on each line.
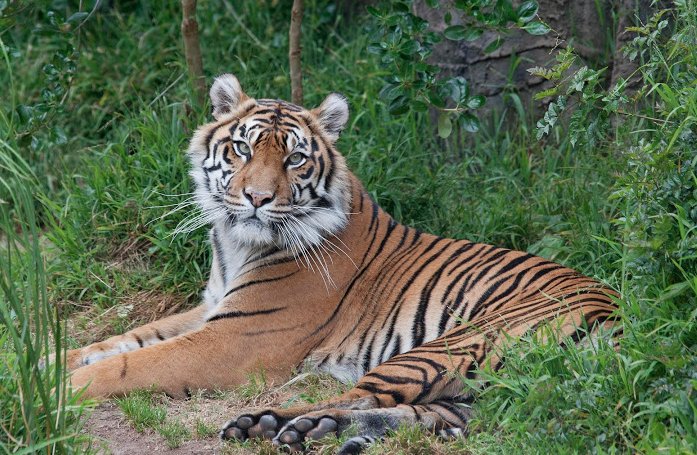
476, 102
399, 105
436, 98
374, 12
432, 3
546, 93
536, 28
77, 17
419, 106
455, 32
527, 11
445, 125
492, 46
400, 7
410, 47
376, 48
473, 34
469, 122
391, 91
458, 89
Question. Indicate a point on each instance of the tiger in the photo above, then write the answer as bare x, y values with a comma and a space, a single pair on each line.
308, 271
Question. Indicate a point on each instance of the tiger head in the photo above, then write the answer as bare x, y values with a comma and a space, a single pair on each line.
268, 170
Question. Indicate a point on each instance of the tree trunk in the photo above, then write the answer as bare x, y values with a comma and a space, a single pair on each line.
294, 52
630, 13
192, 49
578, 23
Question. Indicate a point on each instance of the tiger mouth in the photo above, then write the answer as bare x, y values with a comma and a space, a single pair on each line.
254, 221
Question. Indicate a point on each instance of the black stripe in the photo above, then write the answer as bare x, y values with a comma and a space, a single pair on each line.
396, 396
243, 314
219, 252
252, 283
124, 367
419, 326
394, 379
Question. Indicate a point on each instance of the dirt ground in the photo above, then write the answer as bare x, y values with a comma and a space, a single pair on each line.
113, 433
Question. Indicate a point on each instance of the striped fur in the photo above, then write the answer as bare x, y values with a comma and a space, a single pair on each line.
307, 268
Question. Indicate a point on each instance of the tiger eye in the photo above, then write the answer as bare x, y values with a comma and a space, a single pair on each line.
244, 148
296, 158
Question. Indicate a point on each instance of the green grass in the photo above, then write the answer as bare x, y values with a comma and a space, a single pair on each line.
37, 411
144, 413
105, 165
204, 430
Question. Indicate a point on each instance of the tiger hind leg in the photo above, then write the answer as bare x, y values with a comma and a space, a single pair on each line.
421, 386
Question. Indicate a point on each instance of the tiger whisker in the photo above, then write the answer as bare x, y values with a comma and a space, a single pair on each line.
316, 250
294, 242
334, 245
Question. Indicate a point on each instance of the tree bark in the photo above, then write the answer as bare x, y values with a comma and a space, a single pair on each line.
192, 49
630, 13
503, 71
294, 52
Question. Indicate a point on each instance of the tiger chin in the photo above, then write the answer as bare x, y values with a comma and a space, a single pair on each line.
307, 268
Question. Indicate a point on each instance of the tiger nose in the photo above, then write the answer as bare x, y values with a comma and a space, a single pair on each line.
258, 198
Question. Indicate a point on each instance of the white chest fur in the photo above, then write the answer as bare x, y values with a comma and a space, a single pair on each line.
229, 258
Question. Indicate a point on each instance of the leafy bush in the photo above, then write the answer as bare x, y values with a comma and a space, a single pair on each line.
640, 397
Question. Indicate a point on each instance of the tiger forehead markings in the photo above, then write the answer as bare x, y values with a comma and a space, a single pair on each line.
308, 269
272, 133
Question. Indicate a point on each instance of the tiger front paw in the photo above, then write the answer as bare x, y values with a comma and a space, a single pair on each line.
307, 427
74, 360
263, 425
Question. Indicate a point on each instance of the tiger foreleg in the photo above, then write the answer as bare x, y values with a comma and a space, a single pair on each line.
206, 358
145, 335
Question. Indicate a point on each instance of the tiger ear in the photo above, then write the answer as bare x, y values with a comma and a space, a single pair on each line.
226, 95
332, 115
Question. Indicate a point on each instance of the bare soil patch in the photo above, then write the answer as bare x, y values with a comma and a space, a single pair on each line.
114, 434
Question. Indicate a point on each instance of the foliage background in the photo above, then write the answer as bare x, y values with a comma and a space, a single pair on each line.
93, 129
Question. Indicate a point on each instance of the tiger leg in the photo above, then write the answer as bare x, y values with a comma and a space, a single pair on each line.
428, 376
145, 335
213, 357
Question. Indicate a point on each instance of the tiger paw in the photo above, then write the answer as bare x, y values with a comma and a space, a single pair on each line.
73, 362
262, 425
307, 427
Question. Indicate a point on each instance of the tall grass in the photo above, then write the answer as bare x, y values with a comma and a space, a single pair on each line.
37, 412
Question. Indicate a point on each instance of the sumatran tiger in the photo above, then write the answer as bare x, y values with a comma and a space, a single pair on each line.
308, 269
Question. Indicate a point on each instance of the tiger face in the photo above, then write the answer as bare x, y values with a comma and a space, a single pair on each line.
267, 169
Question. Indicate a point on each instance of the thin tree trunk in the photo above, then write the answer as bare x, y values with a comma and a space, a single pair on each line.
294, 54
630, 13
192, 49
